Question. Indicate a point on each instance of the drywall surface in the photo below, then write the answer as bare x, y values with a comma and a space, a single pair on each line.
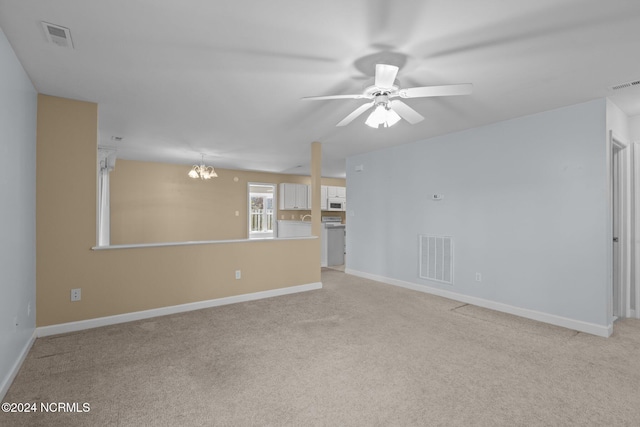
525, 201
18, 106
618, 122
121, 281
634, 128
157, 202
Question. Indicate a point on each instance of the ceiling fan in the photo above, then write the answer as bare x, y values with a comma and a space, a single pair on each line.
389, 111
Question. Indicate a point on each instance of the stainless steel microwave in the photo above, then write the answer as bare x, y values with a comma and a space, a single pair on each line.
336, 204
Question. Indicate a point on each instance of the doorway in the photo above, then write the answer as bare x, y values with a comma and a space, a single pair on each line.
620, 210
616, 308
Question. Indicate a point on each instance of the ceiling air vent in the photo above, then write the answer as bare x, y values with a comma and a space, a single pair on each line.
58, 35
625, 85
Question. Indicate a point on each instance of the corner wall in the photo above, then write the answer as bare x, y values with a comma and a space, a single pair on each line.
18, 106
634, 128
127, 280
525, 200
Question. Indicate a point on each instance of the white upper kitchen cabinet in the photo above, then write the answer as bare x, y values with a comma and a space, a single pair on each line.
294, 196
336, 192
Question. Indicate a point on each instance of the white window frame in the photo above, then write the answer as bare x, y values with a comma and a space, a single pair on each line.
261, 234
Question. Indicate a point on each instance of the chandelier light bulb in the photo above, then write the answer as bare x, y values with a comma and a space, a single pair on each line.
201, 171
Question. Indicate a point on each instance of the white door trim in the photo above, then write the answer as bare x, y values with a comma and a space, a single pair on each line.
624, 221
635, 150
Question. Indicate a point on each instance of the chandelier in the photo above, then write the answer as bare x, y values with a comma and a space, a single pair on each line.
201, 171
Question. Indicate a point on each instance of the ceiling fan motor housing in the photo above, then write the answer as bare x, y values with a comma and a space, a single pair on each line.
381, 100
374, 91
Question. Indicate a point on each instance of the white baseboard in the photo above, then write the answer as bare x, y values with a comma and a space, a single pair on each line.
8, 380
62, 328
578, 325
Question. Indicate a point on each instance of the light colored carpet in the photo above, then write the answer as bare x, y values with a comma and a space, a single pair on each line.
355, 353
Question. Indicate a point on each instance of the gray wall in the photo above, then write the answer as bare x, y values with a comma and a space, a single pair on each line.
634, 128
525, 201
18, 101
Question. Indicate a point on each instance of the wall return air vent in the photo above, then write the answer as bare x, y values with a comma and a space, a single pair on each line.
436, 258
57, 35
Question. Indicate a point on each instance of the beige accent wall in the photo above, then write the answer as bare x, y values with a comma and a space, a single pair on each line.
126, 280
158, 202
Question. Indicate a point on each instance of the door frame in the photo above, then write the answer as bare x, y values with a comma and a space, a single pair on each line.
635, 151
624, 216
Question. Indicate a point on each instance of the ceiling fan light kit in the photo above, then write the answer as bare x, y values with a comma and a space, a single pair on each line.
389, 112
382, 115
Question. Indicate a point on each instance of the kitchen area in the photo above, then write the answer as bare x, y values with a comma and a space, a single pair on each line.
333, 202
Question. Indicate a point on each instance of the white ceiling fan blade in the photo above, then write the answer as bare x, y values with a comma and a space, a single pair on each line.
361, 109
385, 75
406, 112
444, 90
316, 98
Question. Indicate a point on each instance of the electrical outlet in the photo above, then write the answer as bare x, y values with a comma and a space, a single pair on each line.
238, 274
29, 309
478, 277
15, 324
75, 294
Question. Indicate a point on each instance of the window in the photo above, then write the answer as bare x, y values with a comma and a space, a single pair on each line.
261, 211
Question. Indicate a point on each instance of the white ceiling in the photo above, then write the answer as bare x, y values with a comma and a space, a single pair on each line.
225, 78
